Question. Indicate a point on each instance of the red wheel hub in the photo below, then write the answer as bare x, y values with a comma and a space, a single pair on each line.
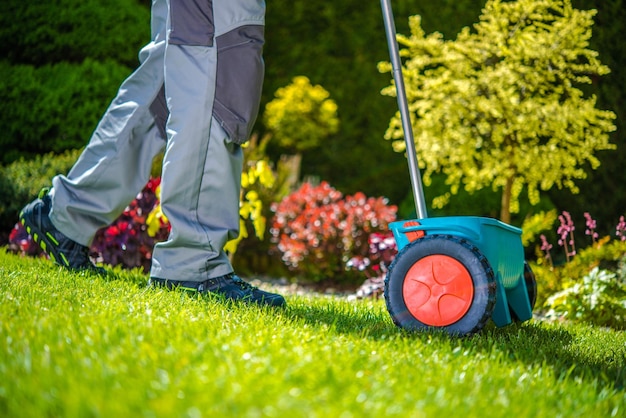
438, 290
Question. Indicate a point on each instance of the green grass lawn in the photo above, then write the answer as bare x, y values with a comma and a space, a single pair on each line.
74, 345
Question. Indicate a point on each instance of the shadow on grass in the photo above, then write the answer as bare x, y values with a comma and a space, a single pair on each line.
533, 343
344, 318
538, 343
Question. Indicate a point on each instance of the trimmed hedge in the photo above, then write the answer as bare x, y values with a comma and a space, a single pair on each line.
21, 181
53, 108
42, 32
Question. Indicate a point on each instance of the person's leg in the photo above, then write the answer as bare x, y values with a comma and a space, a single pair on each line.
213, 81
114, 166
116, 163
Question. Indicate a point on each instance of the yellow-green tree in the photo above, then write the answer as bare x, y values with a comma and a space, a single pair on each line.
300, 117
500, 106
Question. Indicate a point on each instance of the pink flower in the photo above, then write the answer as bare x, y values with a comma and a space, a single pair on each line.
565, 231
620, 229
591, 227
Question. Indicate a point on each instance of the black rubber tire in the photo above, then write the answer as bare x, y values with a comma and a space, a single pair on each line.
461, 250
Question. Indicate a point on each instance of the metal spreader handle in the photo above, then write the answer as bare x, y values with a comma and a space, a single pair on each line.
394, 54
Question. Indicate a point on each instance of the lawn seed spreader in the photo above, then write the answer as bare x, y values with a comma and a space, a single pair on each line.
451, 273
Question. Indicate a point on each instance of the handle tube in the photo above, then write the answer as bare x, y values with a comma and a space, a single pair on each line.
394, 54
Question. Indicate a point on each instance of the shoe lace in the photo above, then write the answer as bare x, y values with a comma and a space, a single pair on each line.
243, 285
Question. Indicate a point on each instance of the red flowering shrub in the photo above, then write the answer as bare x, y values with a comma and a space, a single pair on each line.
318, 231
126, 241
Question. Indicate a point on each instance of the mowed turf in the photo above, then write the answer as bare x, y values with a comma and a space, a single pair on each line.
75, 345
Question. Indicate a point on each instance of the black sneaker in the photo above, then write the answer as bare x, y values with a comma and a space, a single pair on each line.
230, 286
60, 248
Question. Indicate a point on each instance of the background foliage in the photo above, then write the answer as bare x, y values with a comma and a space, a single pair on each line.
301, 115
335, 44
349, 36
72, 55
21, 181
61, 64
54, 107
492, 104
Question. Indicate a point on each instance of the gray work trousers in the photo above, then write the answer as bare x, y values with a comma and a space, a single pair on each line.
196, 93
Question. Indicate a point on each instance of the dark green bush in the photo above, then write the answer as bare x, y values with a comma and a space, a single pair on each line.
53, 107
61, 65
21, 181
42, 32
601, 193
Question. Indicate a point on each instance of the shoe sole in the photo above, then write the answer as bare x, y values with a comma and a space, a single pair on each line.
277, 301
45, 241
